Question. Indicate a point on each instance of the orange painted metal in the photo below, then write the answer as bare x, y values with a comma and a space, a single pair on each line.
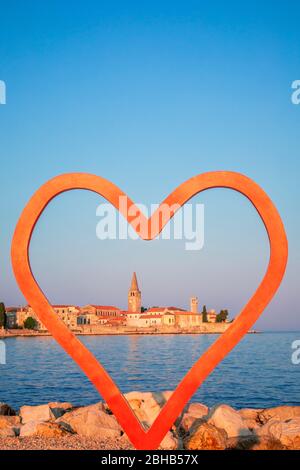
151, 438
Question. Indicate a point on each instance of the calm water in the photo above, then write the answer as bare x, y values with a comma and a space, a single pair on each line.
258, 373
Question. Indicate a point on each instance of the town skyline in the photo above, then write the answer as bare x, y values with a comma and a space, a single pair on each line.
91, 318
135, 306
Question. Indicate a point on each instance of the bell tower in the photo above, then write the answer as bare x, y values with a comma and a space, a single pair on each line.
134, 296
194, 304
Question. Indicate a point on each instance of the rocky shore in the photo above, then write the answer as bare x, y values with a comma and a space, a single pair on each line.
206, 329
64, 426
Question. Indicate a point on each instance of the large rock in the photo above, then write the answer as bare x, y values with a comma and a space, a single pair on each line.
147, 405
225, 417
205, 437
287, 432
251, 418
280, 413
42, 429
196, 412
254, 443
59, 409
36, 413
169, 442
9, 426
250, 413
251, 424
188, 420
91, 421
6, 410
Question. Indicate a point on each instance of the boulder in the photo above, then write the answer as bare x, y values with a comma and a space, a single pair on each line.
91, 421
189, 420
147, 405
250, 417
6, 410
254, 443
59, 409
42, 429
36, 413
205, 437
196, 412
250, 413
169, 442
225, 417
9, 426
287, 432
251, 424
279, 412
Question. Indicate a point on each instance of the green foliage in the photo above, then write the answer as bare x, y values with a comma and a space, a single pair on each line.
222, 316
144, 309
30, 323
204, 314
3, 317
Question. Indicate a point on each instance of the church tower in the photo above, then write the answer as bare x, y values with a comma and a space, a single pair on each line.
134, 296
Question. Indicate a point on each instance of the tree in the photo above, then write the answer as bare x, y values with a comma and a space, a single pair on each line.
144, 309
222, 316
204, 314
3, 317
30, 323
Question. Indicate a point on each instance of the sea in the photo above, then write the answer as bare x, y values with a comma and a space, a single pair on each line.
258, 373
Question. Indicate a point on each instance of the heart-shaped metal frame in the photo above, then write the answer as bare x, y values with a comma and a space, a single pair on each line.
151, 438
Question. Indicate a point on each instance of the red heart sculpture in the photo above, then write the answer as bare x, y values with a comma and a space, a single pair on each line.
151, 438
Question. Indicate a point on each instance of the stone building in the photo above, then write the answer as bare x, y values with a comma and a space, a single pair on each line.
101, 310
185, 319
11, 317
68, 314
211, 316
99, 315
27, 312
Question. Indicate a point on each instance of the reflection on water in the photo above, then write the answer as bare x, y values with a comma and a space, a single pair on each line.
257, 373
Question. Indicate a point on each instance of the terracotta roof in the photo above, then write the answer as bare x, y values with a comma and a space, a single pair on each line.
162, 309
184, 312
104, 307
176, 308
155, 309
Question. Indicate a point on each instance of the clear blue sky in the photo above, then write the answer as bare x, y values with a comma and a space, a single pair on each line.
148, 94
